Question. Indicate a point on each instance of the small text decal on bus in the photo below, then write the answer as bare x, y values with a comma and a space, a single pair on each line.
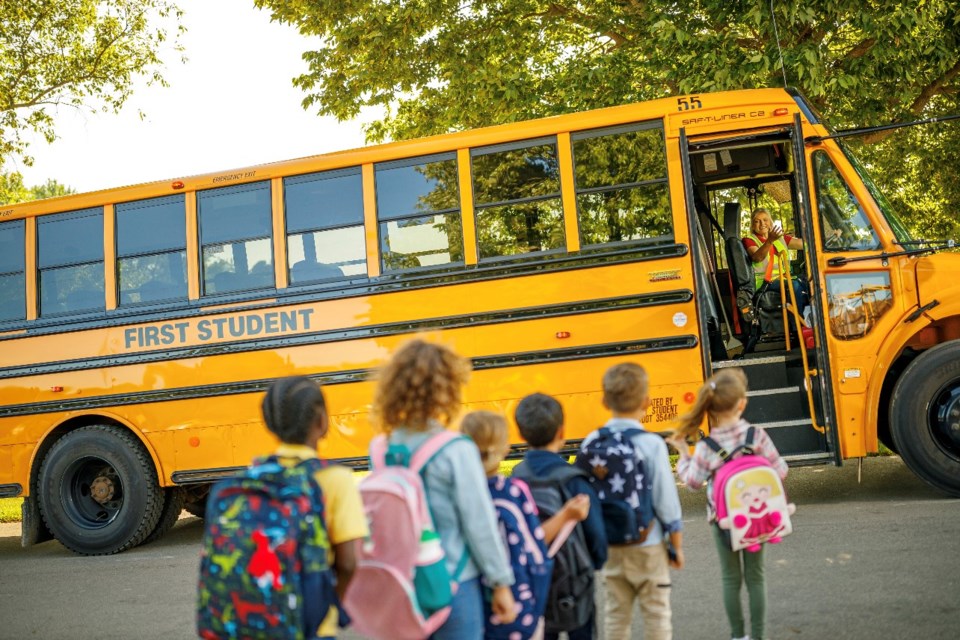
662, 409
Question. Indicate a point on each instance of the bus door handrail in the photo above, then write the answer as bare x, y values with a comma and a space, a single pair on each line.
794, 309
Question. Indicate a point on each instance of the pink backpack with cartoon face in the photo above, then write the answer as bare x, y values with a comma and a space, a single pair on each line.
401, 589
749, 498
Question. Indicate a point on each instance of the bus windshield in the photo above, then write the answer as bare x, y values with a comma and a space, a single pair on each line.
899, 229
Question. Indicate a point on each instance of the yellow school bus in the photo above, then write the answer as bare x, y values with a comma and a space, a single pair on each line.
139, 326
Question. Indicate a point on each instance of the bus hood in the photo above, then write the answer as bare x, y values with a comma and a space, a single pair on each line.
938, 278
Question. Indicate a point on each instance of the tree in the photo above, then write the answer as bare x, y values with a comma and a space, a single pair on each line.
85, 54
437, 66
12, 189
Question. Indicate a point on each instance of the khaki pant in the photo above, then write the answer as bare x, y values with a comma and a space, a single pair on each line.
634, 573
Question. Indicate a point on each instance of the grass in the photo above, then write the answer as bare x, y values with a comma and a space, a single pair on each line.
10, 509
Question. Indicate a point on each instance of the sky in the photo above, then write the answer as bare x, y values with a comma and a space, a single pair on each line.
231, 105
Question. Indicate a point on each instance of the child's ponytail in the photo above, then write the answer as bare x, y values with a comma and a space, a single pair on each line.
719, 394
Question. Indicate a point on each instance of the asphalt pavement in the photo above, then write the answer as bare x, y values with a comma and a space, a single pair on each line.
868, 560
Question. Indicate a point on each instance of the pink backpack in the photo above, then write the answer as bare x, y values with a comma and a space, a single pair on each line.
402, 589
751, 504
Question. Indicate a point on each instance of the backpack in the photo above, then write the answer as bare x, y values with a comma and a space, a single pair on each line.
401, 589
264, 564
570, 601
749, 498
530, 560
618, 476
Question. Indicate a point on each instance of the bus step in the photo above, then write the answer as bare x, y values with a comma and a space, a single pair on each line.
768, 372
809, 459
796, 437
774, 405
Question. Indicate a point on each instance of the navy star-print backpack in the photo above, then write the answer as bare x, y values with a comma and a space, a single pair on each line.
618, 475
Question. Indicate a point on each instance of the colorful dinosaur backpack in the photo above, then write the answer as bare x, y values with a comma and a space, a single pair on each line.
401, 589
532, 565
264, 568
570, 602
749, 498
618, 475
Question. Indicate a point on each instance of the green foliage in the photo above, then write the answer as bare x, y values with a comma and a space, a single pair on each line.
12, 189
10, 509
85, 54
451, 65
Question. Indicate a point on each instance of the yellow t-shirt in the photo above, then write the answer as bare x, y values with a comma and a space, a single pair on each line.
344, 514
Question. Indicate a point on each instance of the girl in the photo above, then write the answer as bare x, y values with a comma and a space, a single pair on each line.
418, 393
722, 399
488, 430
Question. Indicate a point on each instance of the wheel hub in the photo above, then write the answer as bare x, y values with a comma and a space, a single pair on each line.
102, 489
946, 414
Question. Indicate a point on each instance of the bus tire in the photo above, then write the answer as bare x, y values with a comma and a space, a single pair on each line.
98, 491
173, 501
925, 417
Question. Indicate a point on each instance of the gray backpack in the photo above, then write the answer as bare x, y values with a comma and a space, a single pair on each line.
570, 601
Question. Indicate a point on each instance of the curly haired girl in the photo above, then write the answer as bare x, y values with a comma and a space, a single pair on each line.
418, 394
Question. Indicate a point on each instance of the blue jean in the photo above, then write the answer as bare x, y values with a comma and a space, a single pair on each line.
466, 616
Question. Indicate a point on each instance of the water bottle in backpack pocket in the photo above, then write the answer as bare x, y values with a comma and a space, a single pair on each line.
749, 498
264, 563
570, 600
402, 589
617, 473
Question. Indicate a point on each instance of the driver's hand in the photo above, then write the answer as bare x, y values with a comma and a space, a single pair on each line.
775, 233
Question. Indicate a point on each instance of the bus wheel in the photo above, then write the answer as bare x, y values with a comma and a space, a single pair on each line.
98, 491
925, 416
173, 501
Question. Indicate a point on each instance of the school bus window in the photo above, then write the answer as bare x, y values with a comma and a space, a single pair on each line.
621, 184
152, 250
324, 218
418, 209
235, 238
845, 225
516, 191
70, 261
13, 301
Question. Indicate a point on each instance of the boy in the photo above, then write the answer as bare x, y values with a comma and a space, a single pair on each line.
539, 418
295, 411
640, 571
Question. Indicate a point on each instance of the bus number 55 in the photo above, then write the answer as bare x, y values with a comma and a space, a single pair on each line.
685, 104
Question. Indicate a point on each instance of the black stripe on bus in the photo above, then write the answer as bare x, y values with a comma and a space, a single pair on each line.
679, 296
344, 377
361, 286
357, 463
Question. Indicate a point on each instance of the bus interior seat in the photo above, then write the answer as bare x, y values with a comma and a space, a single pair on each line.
226, 281
153, 290
83, 300
308, 270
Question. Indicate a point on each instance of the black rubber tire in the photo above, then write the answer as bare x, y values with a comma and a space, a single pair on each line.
920, 439
109, 458
173, 500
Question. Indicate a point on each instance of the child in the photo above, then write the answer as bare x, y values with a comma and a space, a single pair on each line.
640, 571
540, 420
722, 399
488, 430
294, 411
417, 395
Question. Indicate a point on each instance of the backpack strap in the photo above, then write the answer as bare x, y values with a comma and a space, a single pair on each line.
747, 447
426, 451
378, 452
720, 451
